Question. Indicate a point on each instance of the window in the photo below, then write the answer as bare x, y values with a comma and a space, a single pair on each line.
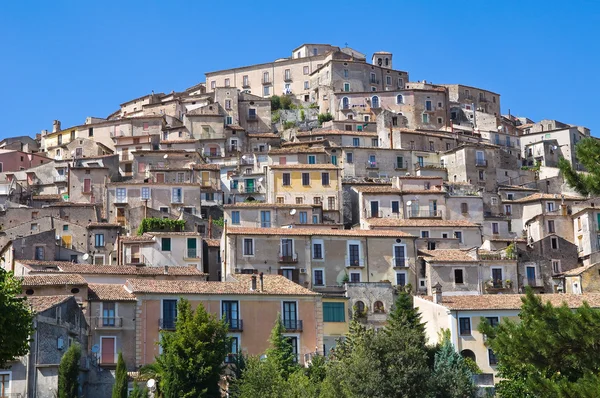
180, 177
108, 313
355, 277
317, 200
280, 200
349, 158
265, 219
508, 210
290, 315
305, 179
355, 142
550, 206
495, 228
315, 219
431, 146
65, 227
428, 106
248, 247
331, 203
459, 277
399, 99
312, 159
228, 104
424, 234
375, 102
228, 120
551, 229
34, 227
458, 235
245, 81
346, 87
108, 350
354, 254
177, 196
39, 252
374, 142
578, 223
464, 208
334, 312
146, 126
235, 217
325, 179
401, 278
121, 194
303, 217
492, 357
395, 206
464, 326
425, 118
169, 314
230, 312
556, 266
554, 243
318, 250
266, 91
99, 240
318, 277
306, 85
165, 245
299, 200
286, 179
481, 175
399, 256
145, 193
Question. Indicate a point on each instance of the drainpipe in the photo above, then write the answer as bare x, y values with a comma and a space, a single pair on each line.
224, 267
367, 257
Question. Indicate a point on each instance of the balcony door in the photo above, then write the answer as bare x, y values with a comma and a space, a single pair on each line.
169, 314
287, 249
265, 219
530, 271
290, 315
191, 248
107, 350
230, 312
374, 208
108, 314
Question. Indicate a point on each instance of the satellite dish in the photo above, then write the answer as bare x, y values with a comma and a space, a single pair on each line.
409, 203
151, 384
95, 348
260, 179
408, 174
85, 256
263, 357
166, 156
57, 237
72, 153
555, 147
293, 211
499, 128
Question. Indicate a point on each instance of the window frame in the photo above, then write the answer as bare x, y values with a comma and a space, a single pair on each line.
314, 277
463, 275
461, 327
164, 240
252, 252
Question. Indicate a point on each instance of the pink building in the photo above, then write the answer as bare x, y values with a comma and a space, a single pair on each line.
13, 160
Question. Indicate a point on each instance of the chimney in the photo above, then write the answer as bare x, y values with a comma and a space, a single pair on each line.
396, 182
253, 285
166, 272
56, 126
437, 293
262, 286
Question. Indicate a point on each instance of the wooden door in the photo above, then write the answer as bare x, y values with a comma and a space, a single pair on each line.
107, 347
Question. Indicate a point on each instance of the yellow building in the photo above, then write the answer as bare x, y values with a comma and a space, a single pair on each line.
336, 319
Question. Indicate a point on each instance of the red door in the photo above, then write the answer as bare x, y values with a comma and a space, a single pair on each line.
107, 345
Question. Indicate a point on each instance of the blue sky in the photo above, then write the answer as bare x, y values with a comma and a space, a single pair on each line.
70, 59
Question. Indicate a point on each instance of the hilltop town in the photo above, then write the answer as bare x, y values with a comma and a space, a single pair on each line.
313, 186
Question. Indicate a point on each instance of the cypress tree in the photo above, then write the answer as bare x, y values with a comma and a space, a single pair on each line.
68, 373
120, 387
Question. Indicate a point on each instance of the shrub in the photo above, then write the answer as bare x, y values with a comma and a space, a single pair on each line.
275, 103
324, 117
289, 125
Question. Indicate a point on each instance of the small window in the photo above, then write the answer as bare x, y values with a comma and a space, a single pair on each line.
318, 277
492, 357
378, 307
551, 228
399, 99
464, 326
325, 179
286, 179
355, 277
165, 244
349, 158
235, 217
459, 276
248, 247
99, 240
305, 179
556, 266
464, 208
318, 251
554, 243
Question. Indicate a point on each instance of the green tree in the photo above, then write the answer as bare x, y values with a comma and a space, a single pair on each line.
324, 117
260, 379
281, 353
275, 103
452, 376
286, 101
121, 382
587, 152
551, 352
191, 363
138, 392
68, 373
16, 319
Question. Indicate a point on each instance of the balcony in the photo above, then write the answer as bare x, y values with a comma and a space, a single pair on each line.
424, 213
211, 154
287, 77
233, 148
399, 262
108, 322
252, 117
401, 166
429, 165
266, 81
60, 178
292, 325
246, 84
177, 200
374, 81
192, 253
374, 214
289, 258
246, 161
353, 262
136, 259
231, 358
534, 282
372, 165
483, 99
235, 325
125, 157
167, 323
481, 163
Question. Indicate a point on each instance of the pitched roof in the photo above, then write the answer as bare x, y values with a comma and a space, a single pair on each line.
135, 238
43, 303
263, 205
322, 166
103, 225
294, 149
515, 188
424, 222
319, 133
390, 190
207, 166
46, 280
74, 268
317, 231
213, 242
447, 256
579, 270
109, 292
262, 135
543, 196
240, 284
514, 301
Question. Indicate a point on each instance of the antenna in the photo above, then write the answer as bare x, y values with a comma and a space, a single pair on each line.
85, 256
409, 203
151, 384
166, 156
293, 211
500, 128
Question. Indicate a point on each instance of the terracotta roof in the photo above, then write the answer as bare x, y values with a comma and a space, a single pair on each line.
447, 255
579, 270
207, 166
543, 196
317, 231
143, 238
47, 197
263, 135
513, 301
322, 166
45, 280
43, 303
515, 188
103, 225
319, 133
272, 285
109, 292
213, 242
519, 240
173, 233
74, 268
425, 222
263, 205
188, 141
430, 133
391, 190
40, 263
303, 143
294, 149
234, 127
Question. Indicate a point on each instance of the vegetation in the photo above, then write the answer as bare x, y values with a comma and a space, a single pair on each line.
587, 152
16, 319
302, 115
160, 224
289, 125
275, 103
191, 363
313, 105
68, 373
511, 251
324, 117
120, 386
275, 116
138, 392
219, 222
281, 102
551, 352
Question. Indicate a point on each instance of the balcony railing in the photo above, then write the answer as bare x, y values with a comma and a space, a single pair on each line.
235, 325
375, 214
481, 163
233, 148
399, 262
372, 165
292, 325
125, 157
167, 323
266, 81
534, 282
401, 166
424, 213
192, 253
230, 358
212, 153
288, 257
287, 77
354, 262
108, 322
136, 259
430, 165
253, 117
60, 178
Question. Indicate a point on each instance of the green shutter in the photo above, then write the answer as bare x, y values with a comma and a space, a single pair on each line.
166, 244
334, 312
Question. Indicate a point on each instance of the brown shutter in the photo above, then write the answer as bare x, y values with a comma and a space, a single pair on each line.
279, 272
296, 276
